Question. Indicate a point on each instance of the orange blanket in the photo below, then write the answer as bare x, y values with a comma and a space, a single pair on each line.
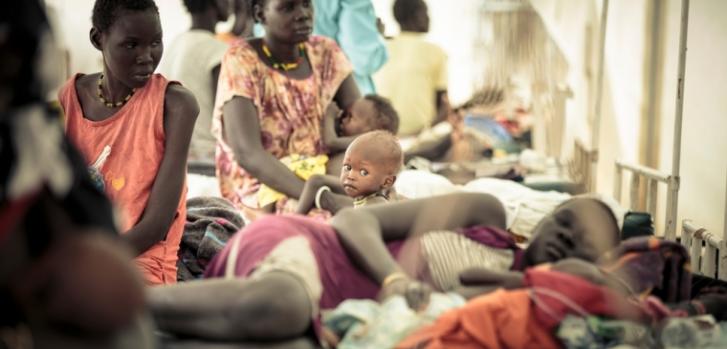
502, 319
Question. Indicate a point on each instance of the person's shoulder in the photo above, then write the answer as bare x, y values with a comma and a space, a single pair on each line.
244, 47
83, 81
322, 42
78, 82
180, 101
434, 49
243, 51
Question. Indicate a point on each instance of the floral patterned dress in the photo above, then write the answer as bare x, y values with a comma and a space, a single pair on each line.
290, 110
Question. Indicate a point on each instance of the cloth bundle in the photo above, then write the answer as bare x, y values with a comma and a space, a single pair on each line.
211, 221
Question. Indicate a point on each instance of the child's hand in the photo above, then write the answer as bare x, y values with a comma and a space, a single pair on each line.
416, 293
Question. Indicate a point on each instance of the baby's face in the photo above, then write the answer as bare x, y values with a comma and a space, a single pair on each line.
362, 174
359, 119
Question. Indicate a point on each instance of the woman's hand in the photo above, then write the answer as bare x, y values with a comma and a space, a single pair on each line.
416, 293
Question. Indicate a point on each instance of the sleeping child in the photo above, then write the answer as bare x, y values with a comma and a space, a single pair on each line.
368, 173
369, 113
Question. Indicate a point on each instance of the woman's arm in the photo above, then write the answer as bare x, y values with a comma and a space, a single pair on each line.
347, 93
362, 231
242, 132
331, 139
180, 114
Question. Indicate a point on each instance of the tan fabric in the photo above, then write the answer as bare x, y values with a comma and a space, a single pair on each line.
295, 257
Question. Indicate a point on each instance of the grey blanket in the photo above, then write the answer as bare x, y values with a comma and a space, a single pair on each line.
210, 223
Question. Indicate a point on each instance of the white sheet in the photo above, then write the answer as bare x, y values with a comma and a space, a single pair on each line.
525, 207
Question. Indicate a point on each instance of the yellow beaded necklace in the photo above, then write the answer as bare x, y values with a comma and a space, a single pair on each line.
285, 66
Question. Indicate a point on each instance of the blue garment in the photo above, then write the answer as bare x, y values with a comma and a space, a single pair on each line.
352, 24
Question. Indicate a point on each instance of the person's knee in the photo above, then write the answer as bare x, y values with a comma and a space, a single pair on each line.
279, 308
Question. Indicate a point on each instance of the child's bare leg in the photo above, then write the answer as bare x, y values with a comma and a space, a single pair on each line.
275, 306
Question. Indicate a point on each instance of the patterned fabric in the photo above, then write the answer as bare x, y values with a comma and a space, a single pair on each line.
290, 111
593, 332
599, 333
303, 167
654, 266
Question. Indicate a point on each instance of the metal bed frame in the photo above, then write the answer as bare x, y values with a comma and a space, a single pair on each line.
707, 251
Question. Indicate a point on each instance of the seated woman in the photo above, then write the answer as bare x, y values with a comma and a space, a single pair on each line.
133, 127
367, 114
271, 98
272, 280
369, 171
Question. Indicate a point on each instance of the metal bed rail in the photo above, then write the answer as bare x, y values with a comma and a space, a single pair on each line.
580, 167
706, 251
652, 179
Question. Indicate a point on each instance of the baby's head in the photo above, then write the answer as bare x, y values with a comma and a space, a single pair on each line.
371, 164
369, 114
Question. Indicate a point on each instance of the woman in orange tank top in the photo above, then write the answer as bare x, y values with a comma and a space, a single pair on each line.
134, 129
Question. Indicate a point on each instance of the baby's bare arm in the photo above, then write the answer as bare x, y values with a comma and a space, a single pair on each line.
312, 185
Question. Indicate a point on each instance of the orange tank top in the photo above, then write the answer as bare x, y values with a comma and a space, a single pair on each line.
127, 149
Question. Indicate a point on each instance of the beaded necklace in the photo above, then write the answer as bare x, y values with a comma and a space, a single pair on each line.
111, 104
285, 66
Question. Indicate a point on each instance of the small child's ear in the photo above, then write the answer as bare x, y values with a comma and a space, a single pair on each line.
95, 36
389, 182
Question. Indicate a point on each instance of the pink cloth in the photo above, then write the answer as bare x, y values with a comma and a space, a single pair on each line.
341, 280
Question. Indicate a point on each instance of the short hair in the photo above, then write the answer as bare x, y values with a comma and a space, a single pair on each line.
406, 10
389, 145
198, 6
252, 4
105, 12
387, 118
240, 5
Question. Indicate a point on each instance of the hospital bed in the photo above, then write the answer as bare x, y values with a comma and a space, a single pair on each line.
706, 249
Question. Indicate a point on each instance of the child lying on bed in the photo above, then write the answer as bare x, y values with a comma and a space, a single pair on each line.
369, 170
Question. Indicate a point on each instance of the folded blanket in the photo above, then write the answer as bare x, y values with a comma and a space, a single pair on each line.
210, 223
654, 266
